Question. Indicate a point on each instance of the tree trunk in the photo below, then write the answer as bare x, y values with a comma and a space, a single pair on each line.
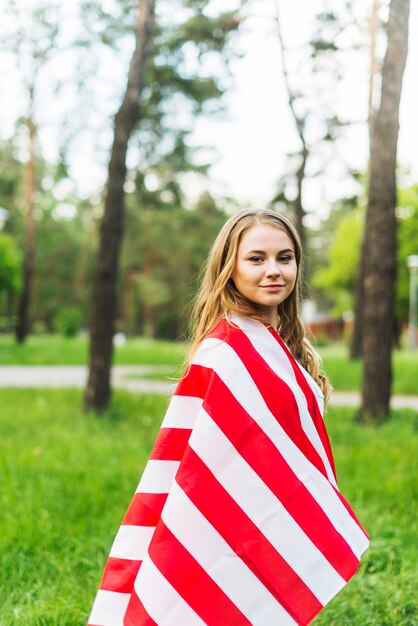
380, 231
104, 290
23, 313
356, 343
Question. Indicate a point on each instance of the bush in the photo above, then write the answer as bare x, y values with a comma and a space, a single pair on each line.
68, 321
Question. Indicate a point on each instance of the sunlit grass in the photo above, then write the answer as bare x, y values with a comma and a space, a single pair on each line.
58, 350
345, 374
67, 478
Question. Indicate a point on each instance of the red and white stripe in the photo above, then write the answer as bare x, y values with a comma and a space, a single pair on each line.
237, 519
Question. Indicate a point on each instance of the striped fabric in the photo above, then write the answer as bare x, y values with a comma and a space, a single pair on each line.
237, 518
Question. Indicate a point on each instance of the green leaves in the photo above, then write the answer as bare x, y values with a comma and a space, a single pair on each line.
10, 265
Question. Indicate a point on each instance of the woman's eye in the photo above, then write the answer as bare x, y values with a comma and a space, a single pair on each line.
256, 259
285, 259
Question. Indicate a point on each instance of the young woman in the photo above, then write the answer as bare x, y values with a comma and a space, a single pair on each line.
237, 519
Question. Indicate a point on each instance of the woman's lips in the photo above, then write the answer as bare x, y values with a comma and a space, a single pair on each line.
272, 287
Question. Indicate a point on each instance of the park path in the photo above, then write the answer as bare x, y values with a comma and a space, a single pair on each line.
129, 377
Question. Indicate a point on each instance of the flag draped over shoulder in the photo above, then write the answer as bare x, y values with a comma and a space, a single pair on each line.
237, 519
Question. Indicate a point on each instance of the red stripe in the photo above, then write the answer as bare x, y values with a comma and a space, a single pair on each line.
136, 615
237, 529
119, 575
195, 382
262, 455
145, 509
276, 393
192, 582
170, 444
310, 399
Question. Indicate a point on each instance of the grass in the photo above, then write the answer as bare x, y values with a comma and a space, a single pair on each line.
345, 375
67, 478
58, 350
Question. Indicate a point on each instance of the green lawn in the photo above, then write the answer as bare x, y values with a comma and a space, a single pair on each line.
345, 375
57, 350
66, 481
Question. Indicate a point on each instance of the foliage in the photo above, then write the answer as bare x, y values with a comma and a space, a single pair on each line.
341, 235
10, 265
407, 244
10, 179
339, 274
68, 321
66, 480
187, 74
165, 249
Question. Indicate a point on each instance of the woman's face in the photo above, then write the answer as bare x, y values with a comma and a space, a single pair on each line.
265, 269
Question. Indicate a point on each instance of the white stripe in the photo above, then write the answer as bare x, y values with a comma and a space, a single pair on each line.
274, 355
221, 563
182, 412
234, 374
132, 542
161, 601
158, 476
109, 608
265, 510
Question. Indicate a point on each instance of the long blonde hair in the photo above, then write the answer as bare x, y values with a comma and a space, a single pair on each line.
218, 295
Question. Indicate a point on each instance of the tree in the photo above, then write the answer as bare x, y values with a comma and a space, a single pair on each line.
356, 343
312, 75
30, 40
169, 83
380, 230
104, 294
163, 253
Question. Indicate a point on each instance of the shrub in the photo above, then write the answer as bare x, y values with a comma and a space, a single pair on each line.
68, 321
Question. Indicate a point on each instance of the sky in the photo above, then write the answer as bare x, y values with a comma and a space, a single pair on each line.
256, 131
259, 131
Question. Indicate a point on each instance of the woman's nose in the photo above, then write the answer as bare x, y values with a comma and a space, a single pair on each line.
272, 268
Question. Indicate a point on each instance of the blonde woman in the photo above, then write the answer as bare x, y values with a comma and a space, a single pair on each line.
237, 519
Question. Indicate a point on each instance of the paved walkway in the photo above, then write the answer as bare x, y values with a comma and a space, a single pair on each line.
129, 377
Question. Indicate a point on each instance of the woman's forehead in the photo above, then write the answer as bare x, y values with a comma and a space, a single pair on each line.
265, 236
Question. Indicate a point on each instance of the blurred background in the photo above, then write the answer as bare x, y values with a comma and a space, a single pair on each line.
216, 132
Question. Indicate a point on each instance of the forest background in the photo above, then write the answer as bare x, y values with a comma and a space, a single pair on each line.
63, 76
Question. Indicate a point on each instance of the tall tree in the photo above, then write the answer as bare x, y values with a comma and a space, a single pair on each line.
31, 40
312, 74
104, 293
30, 185
380, 231
176, 81
356, 343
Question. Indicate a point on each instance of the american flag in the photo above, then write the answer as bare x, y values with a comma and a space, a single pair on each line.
237, 519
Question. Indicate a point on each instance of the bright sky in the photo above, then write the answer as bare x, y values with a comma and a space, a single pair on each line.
257, 130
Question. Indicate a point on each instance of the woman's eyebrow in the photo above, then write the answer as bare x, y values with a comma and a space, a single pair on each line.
263, 251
